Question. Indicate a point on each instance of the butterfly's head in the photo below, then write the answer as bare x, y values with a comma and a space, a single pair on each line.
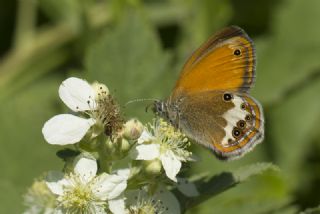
166, 111
159, 108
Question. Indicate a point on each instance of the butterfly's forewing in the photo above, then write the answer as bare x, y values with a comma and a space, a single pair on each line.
230, 128
226, 61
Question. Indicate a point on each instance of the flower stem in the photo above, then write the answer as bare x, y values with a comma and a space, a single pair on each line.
104, 160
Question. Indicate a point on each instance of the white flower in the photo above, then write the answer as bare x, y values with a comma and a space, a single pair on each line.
85, 192
39, 199
83, 98
161, 202
165, 144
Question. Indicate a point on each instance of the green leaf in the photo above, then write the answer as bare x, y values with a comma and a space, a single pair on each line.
205, 18
290, 54
130, 61
291, 130
25, 155
210, 186
314, 210
289, 210
264, 193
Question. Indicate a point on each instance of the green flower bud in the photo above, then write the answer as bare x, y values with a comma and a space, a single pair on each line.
153, 167
132, 129
125, 146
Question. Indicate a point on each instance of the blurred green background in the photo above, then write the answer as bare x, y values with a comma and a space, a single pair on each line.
137, 49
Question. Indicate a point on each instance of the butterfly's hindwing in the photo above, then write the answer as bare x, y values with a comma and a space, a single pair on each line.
230, 128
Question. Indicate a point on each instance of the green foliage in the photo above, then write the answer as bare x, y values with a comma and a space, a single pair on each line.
62, 10
210, 186
289, 54
25, 155
121, 44
311, 210
129, 56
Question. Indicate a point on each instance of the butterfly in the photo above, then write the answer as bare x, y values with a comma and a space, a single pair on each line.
210, 102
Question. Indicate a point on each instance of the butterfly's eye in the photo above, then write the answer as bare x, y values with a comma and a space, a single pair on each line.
241, 124
236, 132
237, 52
227, 97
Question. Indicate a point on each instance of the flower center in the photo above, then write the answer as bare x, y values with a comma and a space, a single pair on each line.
171, 139
147, 207
78, 197
107, 112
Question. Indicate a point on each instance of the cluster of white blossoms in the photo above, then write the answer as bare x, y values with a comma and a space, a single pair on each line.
161, 142
111, 166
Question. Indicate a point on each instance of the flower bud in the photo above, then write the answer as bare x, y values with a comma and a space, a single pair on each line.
153, 167
132, 129
125, 146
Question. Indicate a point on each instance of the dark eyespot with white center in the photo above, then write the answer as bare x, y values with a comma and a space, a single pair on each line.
227, 97
236, 132
241, 124
248, 118
237, 52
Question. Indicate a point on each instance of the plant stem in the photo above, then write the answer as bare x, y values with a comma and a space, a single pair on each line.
25, 24
46, 40
105, 163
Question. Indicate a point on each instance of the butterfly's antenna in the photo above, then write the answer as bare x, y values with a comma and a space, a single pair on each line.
142, 100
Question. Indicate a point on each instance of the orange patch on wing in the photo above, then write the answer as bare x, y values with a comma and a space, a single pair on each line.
218, 67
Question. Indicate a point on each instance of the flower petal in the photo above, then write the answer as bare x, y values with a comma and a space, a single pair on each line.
77, 94
124, 173
146, 152
58, 210
86, 168
98, 209
164, 201
169, 201
66, 129
187, 188
55, 182
145, 137
117, 206
171, 164
109, 186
